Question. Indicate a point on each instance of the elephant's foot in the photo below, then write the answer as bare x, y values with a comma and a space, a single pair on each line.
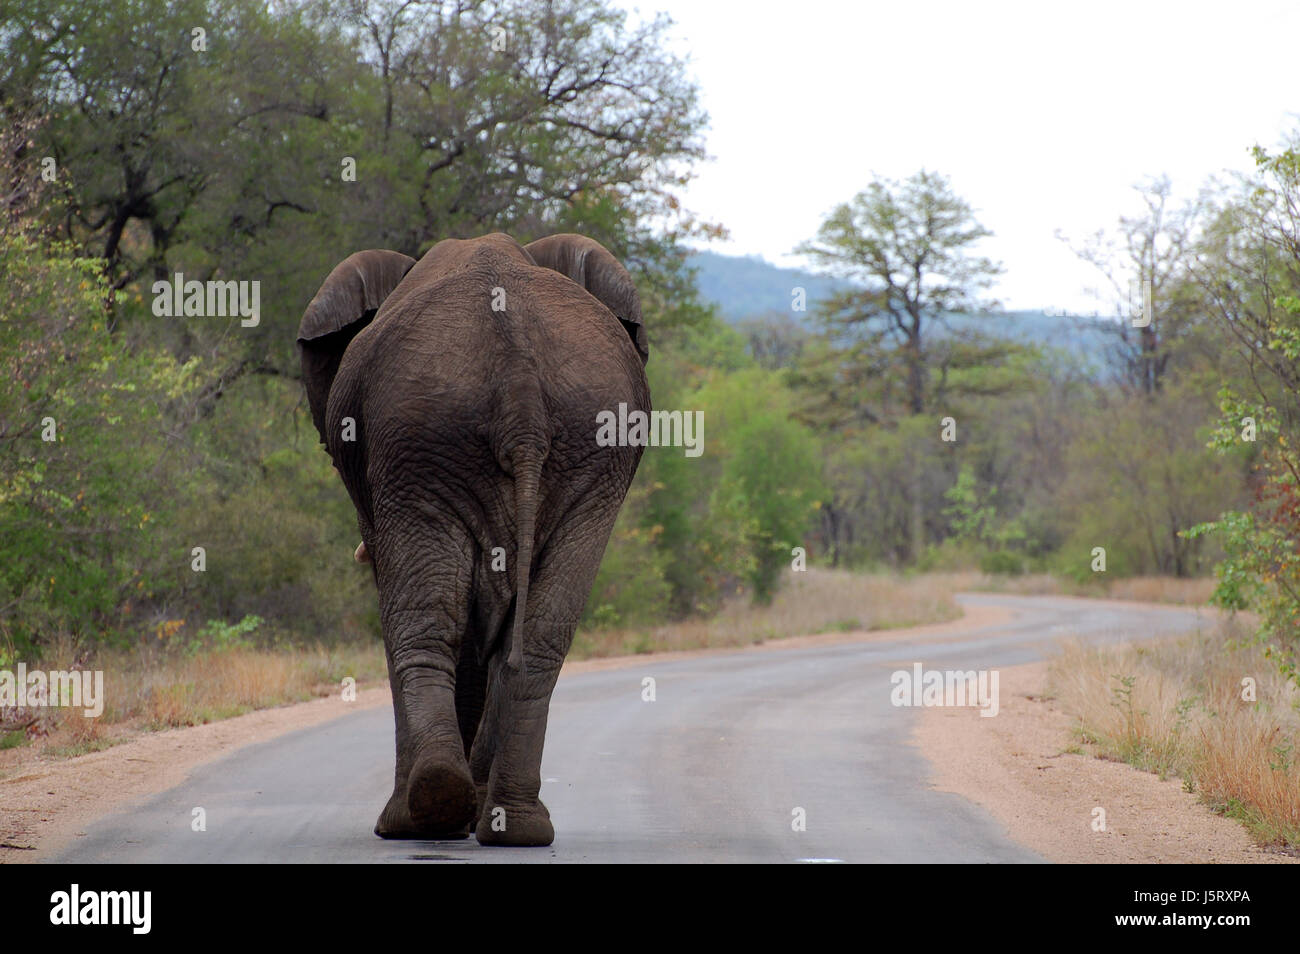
438, 801
395, 822
528, 828
440, 796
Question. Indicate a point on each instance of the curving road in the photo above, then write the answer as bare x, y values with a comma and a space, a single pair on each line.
710, 771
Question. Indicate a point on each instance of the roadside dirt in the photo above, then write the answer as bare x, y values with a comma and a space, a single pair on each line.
1014, 766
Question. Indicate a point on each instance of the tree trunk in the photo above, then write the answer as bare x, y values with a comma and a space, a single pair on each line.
918, 511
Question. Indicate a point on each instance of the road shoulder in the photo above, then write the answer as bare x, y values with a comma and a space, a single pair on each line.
1015, 767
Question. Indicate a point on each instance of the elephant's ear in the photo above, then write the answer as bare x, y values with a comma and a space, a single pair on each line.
345, 303
596, 269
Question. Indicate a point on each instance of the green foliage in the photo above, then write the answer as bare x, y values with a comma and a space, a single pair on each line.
218, 636
229, 162
971, 517
696, 529
912, 246
82, 524
277, 526
700, 555
770, 482
973, 520
1261, 568
1138, 478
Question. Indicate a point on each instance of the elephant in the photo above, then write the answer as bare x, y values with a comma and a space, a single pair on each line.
458, 398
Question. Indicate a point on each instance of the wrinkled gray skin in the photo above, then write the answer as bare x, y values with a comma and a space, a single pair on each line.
475, 430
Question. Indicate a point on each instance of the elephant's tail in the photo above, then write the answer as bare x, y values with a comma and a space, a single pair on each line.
527, 467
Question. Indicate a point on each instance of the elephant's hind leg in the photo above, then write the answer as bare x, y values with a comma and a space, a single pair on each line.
514, 725
424, 607
511, 757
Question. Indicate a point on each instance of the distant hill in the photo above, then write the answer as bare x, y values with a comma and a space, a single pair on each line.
745, 286
748, 286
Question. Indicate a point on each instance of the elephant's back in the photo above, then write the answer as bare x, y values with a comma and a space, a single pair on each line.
496, 344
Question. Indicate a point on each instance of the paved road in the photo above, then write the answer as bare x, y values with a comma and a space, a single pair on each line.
710, 771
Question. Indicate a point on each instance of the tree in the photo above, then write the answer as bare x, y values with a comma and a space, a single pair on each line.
1145, 262
770, 481
1137, 476
911, 249
773, 339
85, 533
1249, 271
911, 246
226, 156
150, 123
515, 110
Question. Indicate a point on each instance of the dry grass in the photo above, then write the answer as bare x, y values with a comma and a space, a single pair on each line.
1162, 589
156, 690
1176, 708
217, 685
815, 601
1144, 589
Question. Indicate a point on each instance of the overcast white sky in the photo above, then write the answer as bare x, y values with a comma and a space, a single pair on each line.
1043, 114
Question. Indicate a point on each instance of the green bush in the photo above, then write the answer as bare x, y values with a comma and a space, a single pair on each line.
84, 517
1002, 562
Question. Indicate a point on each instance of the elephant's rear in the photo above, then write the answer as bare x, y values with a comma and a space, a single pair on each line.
560, 361
494, 379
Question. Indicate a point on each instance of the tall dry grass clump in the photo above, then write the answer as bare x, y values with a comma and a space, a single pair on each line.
154, 689
1208, 708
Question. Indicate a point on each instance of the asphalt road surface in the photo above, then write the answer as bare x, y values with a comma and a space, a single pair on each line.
710, 771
